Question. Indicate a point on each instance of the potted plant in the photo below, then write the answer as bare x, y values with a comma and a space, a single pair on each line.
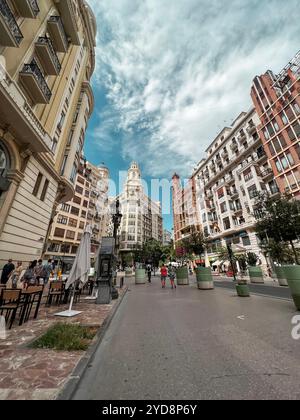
241, 286
255, 272
292, 274
204, 278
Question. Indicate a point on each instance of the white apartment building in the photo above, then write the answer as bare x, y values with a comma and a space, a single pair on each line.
142, 218
228, 181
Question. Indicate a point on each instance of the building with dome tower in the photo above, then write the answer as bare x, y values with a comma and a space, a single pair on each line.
142, 218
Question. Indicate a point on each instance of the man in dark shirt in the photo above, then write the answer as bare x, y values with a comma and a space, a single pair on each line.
7, 270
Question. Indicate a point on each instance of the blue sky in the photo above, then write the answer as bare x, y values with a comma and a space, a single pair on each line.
171, 74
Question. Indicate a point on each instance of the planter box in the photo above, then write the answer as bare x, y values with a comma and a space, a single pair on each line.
292, 274
140, 276
204, 278
182, 276
242, 290
128, 272
256, 275
280, 274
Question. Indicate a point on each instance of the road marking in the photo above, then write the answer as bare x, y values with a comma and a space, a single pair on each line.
242, 317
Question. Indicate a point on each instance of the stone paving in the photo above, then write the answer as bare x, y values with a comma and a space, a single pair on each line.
29, 374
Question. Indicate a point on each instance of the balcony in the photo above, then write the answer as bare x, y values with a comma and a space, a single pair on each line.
274, 190
48, 56
27, 8
218, 160
234, 146
224, 154
234, 193
251, 130
268, 173
35, 84
212, 166
18, 114
58, 34
68, 16
10, 33
238, 209
242, 138
260, 156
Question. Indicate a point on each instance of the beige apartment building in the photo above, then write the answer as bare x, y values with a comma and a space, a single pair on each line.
142, 218
89, 206
47, 58
185, 210
228, 182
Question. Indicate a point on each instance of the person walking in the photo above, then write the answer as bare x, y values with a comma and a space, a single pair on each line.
164, 275
40, 273
172, 276
48, 268
15, 280
149, 272
29, 277
6, 272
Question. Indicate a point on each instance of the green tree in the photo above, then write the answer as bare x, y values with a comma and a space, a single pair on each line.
280, 252
153, 251
278, 219
195, 244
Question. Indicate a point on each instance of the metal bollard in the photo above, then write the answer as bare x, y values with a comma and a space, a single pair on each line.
121, 282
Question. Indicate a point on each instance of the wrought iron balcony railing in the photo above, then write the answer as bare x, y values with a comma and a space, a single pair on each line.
34, 70
7, 15
44, 40
61, 33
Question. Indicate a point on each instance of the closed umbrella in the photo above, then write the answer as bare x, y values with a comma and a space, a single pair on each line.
79, 274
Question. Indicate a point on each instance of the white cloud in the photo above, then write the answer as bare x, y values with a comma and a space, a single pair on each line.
177, 71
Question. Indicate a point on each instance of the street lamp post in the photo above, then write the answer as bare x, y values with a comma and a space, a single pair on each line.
116, 219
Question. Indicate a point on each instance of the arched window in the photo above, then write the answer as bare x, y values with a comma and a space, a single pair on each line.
4, 161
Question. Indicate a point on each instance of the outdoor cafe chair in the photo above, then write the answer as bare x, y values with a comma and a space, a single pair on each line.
10, 302
56, 291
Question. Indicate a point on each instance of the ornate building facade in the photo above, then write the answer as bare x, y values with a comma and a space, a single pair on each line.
47, 60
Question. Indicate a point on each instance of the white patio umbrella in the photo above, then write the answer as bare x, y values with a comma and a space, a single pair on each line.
79, 274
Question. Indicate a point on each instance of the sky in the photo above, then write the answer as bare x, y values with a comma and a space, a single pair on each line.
170, 74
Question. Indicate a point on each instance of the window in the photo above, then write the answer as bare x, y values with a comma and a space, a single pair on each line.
70, 235
297, 149
270, 130
282, 141
223, 208
75, 211
73, 223
248, 175
63, 165
296, 107
276, 126
252, 191
73, 173
54, 145
65, 208
45, 189
246, 241
291, 134
62, 120
290, 159
37, 184
272, 150
80, 180
74, 249
81, 225
65, 249
59, 233
79, 236
62, 220
79, 190
83, 214
277, 145
226, 223
53, 248
77, 199
289, 113
296, 127
284, 118
70, 138
85, 204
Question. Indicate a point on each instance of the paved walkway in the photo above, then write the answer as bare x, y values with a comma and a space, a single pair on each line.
27, 374
191, 344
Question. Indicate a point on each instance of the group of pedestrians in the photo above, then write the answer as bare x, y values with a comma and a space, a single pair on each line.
18, 277
166, 272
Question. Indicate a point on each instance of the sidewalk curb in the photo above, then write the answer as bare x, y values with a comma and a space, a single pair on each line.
70, 387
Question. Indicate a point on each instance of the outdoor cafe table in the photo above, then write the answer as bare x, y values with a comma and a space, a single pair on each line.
28, 299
